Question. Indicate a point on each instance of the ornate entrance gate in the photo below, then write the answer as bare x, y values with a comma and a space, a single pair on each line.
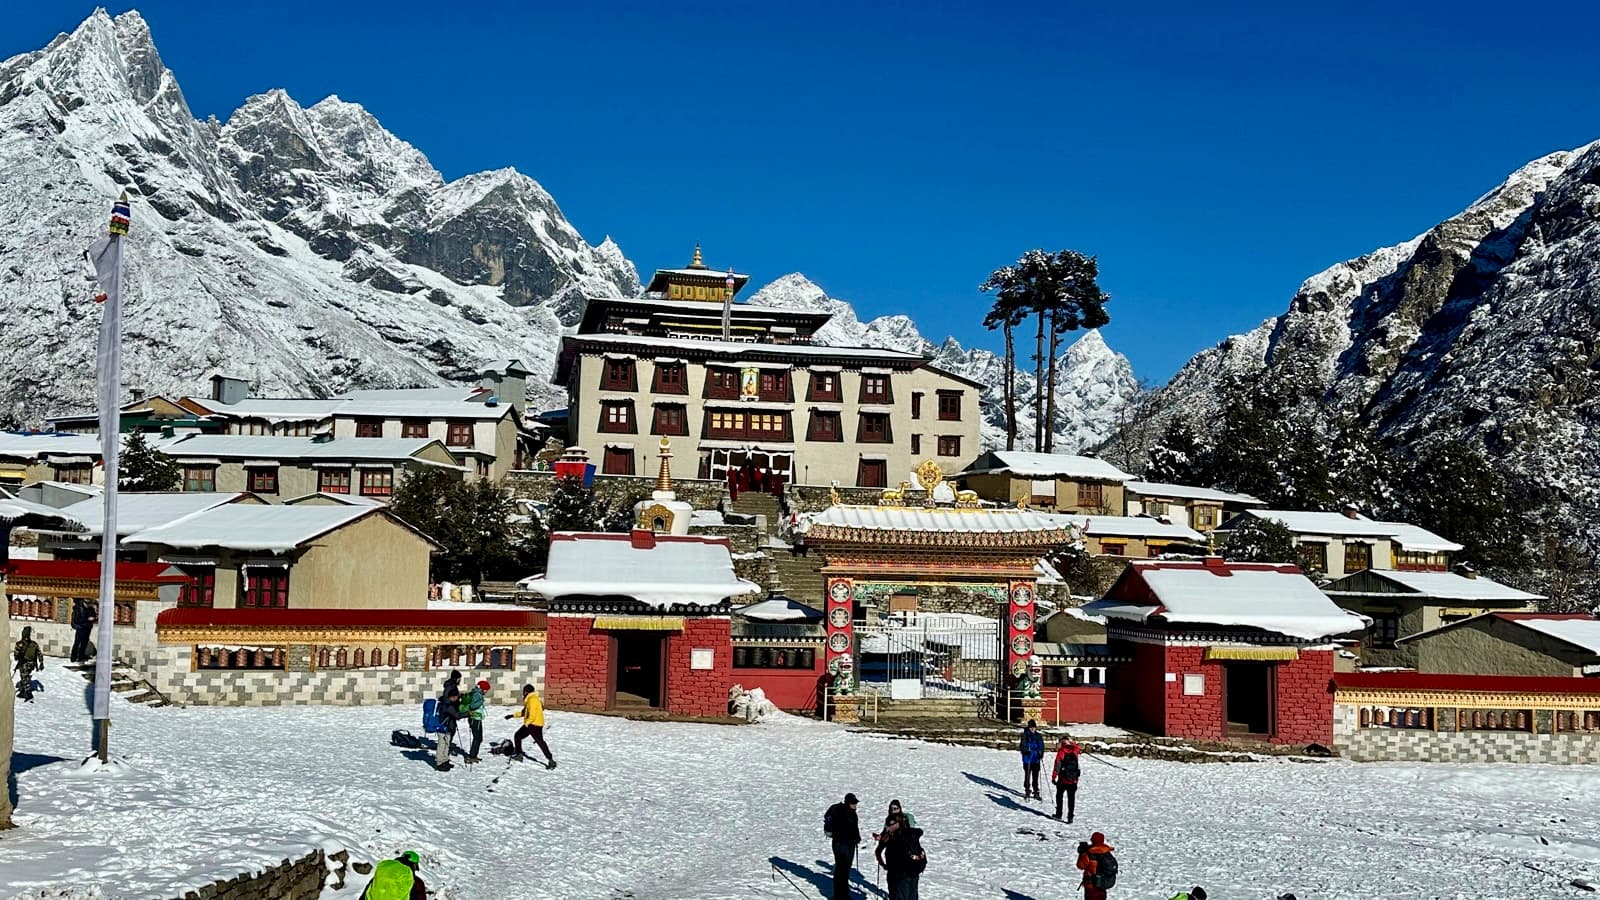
946, 542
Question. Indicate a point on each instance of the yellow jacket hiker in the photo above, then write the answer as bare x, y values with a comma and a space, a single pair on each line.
532, 716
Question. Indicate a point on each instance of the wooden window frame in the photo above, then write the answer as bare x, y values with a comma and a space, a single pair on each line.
200, 479
1306, 550
626, 423
815, 393
916, 445
201, 589
833, 435
660, 425
862, 431
867, 396
453, 431
1384, 630
949, 445
369, 428
670, 378
1091, 495
949, 405
262, 479
1363, 556
264, 591
715, 390
711, 429
618, 374
881, 466
368, 486
916, 404
325, 486
781, 388
413, 428
79, 474
607, 454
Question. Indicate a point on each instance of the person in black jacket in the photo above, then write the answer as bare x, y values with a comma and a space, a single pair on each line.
904, 859
449, 711
844, 828
84, 617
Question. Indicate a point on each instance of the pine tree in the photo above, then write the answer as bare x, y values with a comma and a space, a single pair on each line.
573, 507
1260, 540
1453, 490
141, 467
1180, 458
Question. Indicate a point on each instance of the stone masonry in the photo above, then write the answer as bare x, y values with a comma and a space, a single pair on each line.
293, 879
700, 692
1426, 745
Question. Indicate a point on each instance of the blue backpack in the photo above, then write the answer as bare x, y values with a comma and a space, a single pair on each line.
430, 717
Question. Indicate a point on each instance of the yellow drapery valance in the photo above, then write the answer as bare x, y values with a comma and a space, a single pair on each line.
1252, 653
639, 623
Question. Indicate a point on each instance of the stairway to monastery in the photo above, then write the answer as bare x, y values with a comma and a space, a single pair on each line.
799, 577
127, 682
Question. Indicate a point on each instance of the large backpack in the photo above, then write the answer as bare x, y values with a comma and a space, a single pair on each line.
430, 717
827, 819
918, 866
1105, 870
1068, 771
391, 880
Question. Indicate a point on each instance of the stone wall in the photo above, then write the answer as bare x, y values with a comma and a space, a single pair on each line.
618, 490
1375, 744
292, 879
1304, 699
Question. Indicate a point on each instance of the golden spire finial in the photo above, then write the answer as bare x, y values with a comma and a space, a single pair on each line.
664, 478
697, 262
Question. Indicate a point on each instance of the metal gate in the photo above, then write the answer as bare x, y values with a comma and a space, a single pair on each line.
930, 657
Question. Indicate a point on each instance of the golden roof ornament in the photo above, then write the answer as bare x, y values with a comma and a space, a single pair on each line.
664, 478
697, 262
929, 476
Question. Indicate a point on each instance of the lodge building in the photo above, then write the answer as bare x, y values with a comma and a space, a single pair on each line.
737, 385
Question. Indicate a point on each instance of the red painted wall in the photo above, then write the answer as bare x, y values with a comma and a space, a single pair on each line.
577, 664
1076, 704
1305, 699
1135, 695
702, 692
1197, 717
795, 690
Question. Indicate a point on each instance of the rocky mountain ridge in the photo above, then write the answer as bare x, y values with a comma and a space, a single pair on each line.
312, 251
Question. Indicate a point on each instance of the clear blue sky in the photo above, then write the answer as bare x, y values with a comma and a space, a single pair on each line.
1212, 157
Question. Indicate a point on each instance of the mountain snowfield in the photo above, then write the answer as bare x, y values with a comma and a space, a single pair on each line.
1483, 329
312, 251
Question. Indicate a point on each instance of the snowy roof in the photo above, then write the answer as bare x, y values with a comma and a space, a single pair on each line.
741, 348
1038, 465
940, 519
250, 446
1134, 527
266, 528
338, 499
659, 571
1441, 586
1578, 630
41, 444
1186, 492
707, 307
780, 609
1252, 595
13, 509
420, 403
1333, 524
140, 511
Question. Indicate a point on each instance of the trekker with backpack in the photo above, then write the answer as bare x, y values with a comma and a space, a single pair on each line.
397, 879
26, 658
449, 710
904, 859
1064, 775
85, 615
840, 824
1099, 865
473, 706
1032, 749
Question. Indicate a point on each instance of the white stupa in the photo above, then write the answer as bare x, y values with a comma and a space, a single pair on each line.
663, 513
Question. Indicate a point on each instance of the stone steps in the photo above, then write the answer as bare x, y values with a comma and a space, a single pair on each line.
126, 683
953, 708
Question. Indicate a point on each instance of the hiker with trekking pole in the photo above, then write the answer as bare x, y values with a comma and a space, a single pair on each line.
842, 827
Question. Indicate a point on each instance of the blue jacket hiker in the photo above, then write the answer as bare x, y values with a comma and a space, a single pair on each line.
1032, 748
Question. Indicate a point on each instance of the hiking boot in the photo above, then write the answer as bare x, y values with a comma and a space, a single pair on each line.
551, 764
472, 759
444, 767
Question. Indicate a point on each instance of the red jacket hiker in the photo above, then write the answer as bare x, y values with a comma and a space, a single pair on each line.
1089, 861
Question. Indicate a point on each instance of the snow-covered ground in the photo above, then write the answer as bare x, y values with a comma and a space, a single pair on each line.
664, 810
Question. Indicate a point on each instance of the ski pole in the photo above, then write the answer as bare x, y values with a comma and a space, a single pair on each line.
1111, 764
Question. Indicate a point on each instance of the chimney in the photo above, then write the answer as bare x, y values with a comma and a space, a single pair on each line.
1351, 511
1215, 562
643, 539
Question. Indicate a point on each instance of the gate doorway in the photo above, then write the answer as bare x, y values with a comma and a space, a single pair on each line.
1247, 700
926, 659
639, 675
715, 464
